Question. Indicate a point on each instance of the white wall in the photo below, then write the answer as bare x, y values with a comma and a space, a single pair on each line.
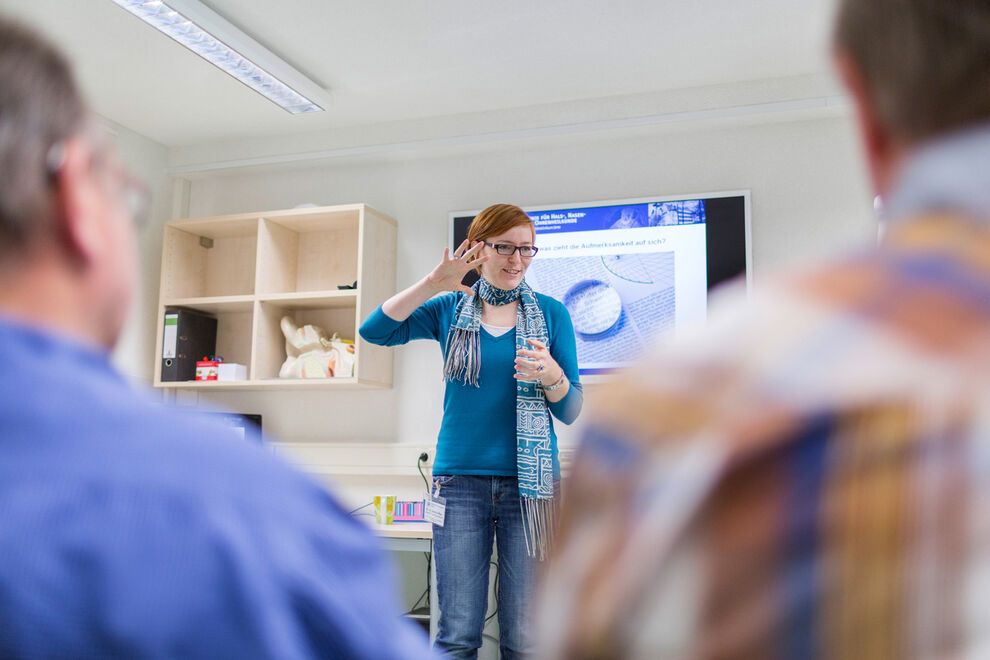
808, 198
147, 160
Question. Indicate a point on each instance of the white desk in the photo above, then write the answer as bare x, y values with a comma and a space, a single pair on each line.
413, 537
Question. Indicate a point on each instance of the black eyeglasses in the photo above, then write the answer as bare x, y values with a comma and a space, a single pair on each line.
506, 250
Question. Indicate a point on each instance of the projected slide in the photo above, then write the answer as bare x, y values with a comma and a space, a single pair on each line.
627, 274
631, 271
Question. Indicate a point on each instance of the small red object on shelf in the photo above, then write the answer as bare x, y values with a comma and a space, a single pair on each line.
206, 369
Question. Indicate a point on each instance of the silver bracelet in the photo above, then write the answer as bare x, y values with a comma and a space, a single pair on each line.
557, 385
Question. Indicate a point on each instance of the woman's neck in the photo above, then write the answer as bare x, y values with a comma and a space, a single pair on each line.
504, 315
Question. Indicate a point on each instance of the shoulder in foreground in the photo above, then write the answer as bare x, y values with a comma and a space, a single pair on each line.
799, 344
208, 452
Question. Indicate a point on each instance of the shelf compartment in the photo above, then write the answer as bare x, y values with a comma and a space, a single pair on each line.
308, 253
209, 258
332, 313
235, 318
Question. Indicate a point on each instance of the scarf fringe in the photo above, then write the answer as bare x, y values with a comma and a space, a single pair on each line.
539, 524
463, 357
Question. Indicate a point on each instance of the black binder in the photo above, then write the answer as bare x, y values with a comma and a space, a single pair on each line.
187, 337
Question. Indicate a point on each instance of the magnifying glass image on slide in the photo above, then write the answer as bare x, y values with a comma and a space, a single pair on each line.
629, 267
595, 308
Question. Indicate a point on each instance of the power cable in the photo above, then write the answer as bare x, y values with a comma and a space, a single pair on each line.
365, 506
423, 457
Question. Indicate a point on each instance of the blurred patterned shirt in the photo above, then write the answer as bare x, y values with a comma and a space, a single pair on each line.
804, 477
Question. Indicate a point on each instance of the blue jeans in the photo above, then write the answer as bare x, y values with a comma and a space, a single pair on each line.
481, 509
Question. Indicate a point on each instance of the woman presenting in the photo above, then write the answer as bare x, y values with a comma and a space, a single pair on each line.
510, 362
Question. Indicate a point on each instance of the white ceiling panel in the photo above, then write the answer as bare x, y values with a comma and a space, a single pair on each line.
399, 60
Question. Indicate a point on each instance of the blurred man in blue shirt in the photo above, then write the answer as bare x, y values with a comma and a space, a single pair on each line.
807, 476
127, 529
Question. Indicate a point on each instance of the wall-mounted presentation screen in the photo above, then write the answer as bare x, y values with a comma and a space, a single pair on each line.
630, 270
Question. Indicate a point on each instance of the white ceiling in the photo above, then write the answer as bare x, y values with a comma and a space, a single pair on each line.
404, 59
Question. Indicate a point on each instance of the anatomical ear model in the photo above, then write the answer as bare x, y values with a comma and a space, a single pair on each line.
311, 355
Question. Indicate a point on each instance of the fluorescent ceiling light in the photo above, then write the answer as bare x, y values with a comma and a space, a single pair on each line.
213, 38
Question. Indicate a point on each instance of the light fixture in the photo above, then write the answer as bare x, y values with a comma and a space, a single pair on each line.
213, 38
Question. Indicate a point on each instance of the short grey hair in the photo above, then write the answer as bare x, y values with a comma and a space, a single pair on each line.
40, 107
925, 63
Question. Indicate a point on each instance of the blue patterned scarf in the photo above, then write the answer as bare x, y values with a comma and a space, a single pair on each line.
534, 462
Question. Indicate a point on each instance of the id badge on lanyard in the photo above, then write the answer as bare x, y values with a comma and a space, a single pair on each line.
436, 507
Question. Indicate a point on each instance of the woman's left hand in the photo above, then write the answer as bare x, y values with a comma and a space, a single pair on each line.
537, 364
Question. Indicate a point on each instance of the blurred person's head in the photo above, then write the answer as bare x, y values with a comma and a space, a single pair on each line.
67, 249
916, 69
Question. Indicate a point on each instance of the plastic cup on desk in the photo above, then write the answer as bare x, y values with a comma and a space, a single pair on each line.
384, 509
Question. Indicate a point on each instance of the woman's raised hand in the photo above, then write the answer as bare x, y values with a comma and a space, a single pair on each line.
450, 271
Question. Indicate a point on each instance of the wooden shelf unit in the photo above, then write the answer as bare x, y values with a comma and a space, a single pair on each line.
251, 269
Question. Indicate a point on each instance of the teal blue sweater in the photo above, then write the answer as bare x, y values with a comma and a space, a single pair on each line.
478, 432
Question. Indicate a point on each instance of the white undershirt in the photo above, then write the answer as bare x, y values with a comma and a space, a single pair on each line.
497, 330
